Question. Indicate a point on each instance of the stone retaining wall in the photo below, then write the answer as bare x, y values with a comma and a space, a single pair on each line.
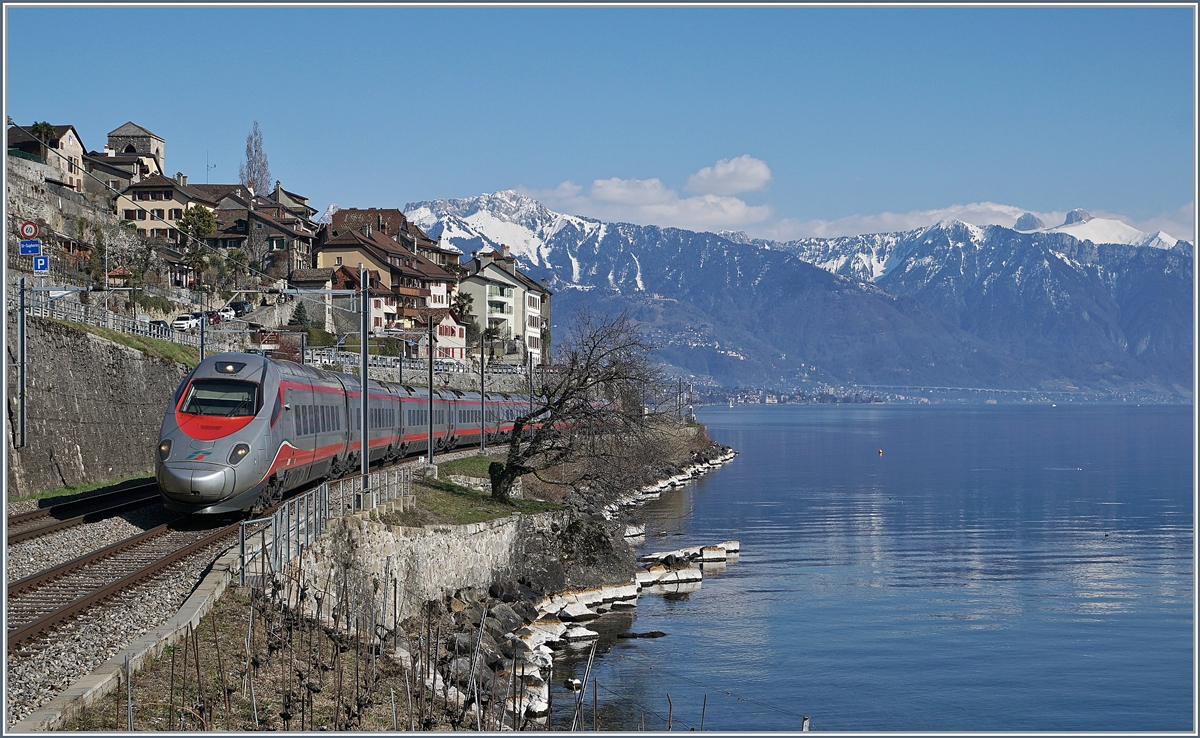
94, 408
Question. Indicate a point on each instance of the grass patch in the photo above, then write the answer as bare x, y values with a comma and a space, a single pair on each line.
471, 466
77, 489
444, 503
154, 347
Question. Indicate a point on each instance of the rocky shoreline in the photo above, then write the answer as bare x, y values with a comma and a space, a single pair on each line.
507, 636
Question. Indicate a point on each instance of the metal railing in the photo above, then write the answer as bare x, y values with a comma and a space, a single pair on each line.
351, 495
42, 305
298, 522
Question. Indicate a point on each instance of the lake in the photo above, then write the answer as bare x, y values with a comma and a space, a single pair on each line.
994, 568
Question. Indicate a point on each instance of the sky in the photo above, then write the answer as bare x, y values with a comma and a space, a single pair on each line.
781, 122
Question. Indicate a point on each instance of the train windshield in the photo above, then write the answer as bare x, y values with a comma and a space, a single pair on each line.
230, 398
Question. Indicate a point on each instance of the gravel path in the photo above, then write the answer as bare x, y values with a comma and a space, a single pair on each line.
39, 671
42, 553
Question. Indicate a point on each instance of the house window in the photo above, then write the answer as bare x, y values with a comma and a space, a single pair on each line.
258, 226
156, 214
114, 183
338, 261
176, 213
141, 214
142, 232
378, 322
378, 303
131, 215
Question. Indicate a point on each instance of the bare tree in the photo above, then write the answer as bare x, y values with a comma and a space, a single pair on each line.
589, 406
255, 172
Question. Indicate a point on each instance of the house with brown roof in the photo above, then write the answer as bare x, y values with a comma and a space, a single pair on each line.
397, 226
155, 205
267, 231
63, 152
414, 281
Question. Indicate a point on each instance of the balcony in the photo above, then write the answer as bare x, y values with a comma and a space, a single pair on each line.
499, 309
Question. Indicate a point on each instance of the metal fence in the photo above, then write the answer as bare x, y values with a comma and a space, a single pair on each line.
42, 305
268, 545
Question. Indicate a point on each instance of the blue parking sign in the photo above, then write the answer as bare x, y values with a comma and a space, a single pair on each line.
41, 265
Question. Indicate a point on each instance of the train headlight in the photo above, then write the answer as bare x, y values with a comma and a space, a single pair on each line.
164, 450
238, 453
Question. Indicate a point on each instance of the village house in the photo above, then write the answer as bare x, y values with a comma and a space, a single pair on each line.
393, 223
267, 231
415, 282
516, 307
382, 302
156, 204
66, 157
449, 335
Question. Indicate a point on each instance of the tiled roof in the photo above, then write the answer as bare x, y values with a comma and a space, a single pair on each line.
133, 129
215, 192
159, 181
312, 275
17, 136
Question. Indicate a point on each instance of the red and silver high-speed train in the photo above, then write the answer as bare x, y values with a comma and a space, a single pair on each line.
243, 429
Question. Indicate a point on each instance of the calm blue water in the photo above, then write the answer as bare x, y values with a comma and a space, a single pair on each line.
997, 568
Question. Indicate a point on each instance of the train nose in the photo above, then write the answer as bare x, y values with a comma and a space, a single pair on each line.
196, 483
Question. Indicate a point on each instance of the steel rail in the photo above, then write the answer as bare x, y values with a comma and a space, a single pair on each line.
139, 500
47, 622
43, 577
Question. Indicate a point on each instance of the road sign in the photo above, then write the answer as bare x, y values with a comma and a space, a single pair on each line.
31, 247
29, 230
41, 265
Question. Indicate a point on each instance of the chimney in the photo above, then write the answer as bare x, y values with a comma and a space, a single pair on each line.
179, 178
543, 283
504, 250
278, 191
366, 229
380, 222
108, 151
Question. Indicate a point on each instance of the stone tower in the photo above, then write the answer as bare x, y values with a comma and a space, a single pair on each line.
133, 139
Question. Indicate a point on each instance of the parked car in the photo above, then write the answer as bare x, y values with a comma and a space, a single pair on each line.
227, 313
185, 322
213, 317
159, 326
241, 307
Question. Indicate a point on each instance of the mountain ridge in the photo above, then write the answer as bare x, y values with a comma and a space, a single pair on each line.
942, 295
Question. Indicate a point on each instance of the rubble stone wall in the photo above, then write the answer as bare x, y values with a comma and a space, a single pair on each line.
93, 408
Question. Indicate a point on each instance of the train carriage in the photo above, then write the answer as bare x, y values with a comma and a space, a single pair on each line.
243, 429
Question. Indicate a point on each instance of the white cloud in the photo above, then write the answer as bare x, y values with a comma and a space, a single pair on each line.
731, 177
650, 202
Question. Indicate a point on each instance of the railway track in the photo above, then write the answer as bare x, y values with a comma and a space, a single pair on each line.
48, 520
39, 603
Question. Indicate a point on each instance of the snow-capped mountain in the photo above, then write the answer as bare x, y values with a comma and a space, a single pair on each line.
1106, 230
950, 302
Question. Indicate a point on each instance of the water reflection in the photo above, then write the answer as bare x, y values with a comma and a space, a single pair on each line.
962, 581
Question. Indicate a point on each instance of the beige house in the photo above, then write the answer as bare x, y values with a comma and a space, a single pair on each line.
516, 307
156, 204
